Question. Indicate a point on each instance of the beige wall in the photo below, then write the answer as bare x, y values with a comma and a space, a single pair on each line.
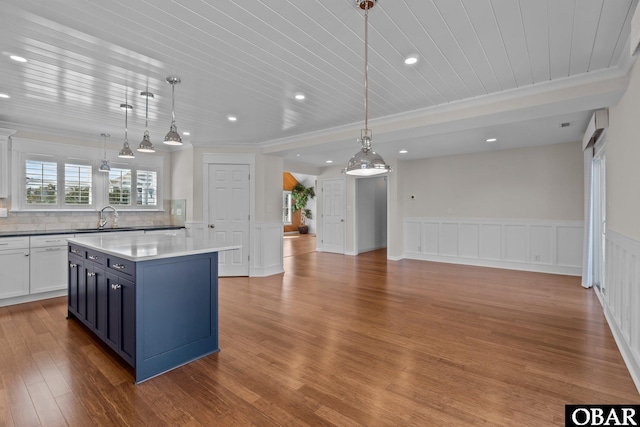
535, 183
623, 155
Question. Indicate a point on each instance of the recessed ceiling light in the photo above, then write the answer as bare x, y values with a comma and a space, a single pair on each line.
403, 151
410, 60
232, 118
492, 139
299, 96
186, 133
297, 155
4, 95
18, 58
329, 161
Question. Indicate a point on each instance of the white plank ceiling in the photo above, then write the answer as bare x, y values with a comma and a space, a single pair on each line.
249, 59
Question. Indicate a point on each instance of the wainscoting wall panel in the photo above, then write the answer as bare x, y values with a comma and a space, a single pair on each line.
621, 297
545, 246
266, 250
266, 254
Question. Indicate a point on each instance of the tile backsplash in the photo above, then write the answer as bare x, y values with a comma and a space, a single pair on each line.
61, 220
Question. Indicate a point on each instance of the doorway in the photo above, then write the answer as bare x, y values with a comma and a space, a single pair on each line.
371, 213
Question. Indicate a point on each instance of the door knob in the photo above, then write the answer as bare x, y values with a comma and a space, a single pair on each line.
342, 220
212, 226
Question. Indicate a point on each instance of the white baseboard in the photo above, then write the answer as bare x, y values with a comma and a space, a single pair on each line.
34, 297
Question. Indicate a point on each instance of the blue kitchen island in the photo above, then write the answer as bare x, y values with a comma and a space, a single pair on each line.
152, 298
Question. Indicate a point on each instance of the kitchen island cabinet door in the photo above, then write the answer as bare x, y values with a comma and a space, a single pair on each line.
76, 267
93, 279
118, 302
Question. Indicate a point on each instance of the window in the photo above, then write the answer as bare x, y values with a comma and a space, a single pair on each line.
52, 176
77, 184
41, 182
120, 187
147, 186
286, 207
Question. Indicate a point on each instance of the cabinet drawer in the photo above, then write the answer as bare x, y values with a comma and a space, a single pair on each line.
14, 243
50, 240
121, 266
77, 250
96, 257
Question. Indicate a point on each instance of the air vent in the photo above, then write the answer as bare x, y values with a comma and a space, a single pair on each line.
565, 124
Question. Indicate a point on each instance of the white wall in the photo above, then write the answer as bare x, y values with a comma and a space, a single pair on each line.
621, 300
182, 178
536, 183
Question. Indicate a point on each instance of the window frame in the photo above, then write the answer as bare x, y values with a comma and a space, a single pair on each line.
26, 149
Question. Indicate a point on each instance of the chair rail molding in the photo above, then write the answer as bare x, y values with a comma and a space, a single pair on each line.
542, 246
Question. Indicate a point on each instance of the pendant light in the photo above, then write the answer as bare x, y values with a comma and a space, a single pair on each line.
126, 152
146, 146
104, 167
173, 137
366, 162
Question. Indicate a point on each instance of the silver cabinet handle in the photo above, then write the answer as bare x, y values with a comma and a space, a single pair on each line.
212, 226
116, 286
52, 241
119, 266
3, 244
93, 257
72, 265
75, 251
90, 274
53, 249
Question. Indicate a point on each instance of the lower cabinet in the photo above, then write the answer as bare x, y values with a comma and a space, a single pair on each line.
47, 265
102, 300
14, 266
116, 309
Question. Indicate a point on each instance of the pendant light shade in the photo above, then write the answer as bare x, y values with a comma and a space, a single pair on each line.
173, 137
146, 146
104, 167
366, 162
126, 152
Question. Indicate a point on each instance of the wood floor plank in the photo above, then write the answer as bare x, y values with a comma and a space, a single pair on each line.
337, 340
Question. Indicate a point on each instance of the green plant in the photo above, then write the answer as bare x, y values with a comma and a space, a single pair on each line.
300, 196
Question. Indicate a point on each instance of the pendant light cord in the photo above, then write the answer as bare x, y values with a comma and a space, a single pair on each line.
126, 118
146, 112
173, 103
366, 65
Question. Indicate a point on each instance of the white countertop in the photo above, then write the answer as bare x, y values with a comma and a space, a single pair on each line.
150, 246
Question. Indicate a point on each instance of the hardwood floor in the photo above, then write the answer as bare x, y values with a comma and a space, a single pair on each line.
298, 244
337, 340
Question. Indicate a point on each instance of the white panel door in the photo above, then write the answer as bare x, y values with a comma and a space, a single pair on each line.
333, 215
228, 216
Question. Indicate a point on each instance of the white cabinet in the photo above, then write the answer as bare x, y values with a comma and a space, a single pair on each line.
48, 265
14, 265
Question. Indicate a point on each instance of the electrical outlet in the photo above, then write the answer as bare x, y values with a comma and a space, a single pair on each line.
3, 212
536, 258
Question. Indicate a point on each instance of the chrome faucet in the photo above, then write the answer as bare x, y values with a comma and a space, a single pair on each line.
103, 217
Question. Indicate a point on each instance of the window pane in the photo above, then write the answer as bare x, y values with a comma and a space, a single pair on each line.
286, 207
147, 186
42, 182
77, 184
120, 186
